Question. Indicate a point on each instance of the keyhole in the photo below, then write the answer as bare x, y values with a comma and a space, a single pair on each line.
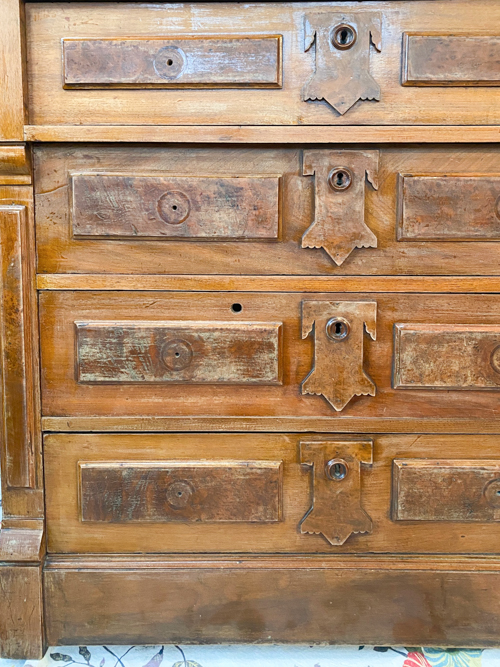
174, 207
336, 470
340, 178
337, 328
236, 307
344, 37
170, 62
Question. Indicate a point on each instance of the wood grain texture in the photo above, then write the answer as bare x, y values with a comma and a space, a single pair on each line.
22, 541
12, 75
191, 62
339, 201
66, 533
63, 396
457, 357
20, 309
59, 252
342, 45
336, 512
382, 602
200, 491
258, 134
21, 612
135, 207
338, 328
179, 352
446, 490
15, 164
450, 60
50, 104
448, 208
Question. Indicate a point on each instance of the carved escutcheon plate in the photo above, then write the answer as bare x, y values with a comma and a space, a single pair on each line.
338, 329
336, 510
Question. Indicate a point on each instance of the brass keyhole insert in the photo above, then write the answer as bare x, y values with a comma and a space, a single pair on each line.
336, 470
340, 178
344, 36
337, 328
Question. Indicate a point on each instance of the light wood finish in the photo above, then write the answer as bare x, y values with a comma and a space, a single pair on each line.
48, 24
255, 134
214, 283
60, 252
382, 601
12, 65
21, 440
64, 396
66, 533
15, 164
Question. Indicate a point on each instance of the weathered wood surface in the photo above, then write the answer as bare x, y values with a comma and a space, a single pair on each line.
133, 206
380, 601
201, 491
339, 195
64, 396
179, 352
191, 61
342, 57
448, 208
446, 490
13, 99
336, 512
51, 104
440, 356
451, 60
373, 492
60, 252
21, 612
338, 328
15, 164
22, 541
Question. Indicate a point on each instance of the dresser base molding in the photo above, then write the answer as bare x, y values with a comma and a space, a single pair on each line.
383, 601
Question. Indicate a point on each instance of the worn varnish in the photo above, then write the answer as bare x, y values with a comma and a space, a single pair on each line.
446, 490
179, 352
205, 491
192, 61
133, 206
273, 225
362, 499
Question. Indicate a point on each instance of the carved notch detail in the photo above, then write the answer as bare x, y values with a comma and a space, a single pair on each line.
336, 510
338, 328
342, 75
339, 211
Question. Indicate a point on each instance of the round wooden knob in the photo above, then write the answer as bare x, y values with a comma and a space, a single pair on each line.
169, 62
495, 359
179, 494
492, 492
177, 354
174, 207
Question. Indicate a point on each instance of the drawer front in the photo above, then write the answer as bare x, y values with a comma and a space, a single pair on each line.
371, 356
273, 493
429, 210
315, 63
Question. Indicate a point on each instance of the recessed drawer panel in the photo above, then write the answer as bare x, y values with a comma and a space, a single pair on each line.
272, 493
141, 63
180, 491
176, 354
401, 63
446, 490
428, 210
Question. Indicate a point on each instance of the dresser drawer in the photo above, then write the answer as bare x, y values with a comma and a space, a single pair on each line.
272, 493
334, 211
373, 356
274, 63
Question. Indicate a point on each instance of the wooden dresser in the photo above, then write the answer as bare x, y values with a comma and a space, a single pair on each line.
250, 323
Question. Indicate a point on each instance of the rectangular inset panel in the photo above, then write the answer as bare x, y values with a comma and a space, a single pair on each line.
451, 60
446, 356
181, 491
446, 490
192, 352
447, 208
130, 206
207, 62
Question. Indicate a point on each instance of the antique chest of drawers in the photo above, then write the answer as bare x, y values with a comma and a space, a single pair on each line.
250, 323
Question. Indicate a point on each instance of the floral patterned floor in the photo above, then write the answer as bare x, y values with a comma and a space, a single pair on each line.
243, 655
